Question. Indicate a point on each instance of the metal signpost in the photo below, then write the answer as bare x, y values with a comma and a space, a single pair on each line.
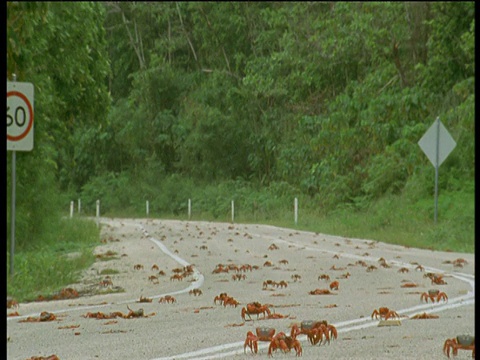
437, 144
19, 135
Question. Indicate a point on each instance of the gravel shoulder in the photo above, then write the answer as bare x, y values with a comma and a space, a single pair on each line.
194, 327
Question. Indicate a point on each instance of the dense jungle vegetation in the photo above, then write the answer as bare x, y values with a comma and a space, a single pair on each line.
256, 102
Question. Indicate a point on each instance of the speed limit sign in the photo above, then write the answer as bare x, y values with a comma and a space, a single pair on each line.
19, 116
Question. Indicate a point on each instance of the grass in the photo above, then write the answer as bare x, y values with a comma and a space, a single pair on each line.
396, 220
47, 269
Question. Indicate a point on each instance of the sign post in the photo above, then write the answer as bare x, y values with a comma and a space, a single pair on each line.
437, 144
19, 136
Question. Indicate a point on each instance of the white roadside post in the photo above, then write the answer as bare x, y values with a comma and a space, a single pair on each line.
437, 144
79, 206
147, 207
98, 212
296, 210
233, 212
189, 209
71, 209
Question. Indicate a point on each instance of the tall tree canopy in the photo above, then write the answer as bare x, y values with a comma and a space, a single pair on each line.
330, 98
61, 49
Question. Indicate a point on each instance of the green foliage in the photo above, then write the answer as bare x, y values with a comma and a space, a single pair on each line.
341, 122
62, 52
321, 95
450, 45
112, 190
404, 219
59, 47
456, 219
37, 203
171, 195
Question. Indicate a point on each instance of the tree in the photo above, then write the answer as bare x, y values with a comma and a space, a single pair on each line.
59, 47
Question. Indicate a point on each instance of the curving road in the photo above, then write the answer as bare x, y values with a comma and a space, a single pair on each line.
195, 328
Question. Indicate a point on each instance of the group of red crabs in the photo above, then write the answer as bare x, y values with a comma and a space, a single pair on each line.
315, 331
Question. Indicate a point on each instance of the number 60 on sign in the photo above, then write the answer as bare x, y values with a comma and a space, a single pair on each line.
19, 116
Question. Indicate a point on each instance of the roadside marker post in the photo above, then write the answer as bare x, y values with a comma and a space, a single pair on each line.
295, 210
97, 215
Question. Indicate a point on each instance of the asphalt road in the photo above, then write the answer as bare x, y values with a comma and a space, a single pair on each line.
194, 327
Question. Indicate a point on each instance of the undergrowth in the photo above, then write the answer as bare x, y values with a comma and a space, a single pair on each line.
43, 270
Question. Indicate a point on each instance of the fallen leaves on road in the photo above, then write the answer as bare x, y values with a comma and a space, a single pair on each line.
113, 315
114, 331
424, 316
277, 316
51, 357
144, 300
69, 327
44, 316
67, 293
330, 306
409, 285
111, 322
233, 325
